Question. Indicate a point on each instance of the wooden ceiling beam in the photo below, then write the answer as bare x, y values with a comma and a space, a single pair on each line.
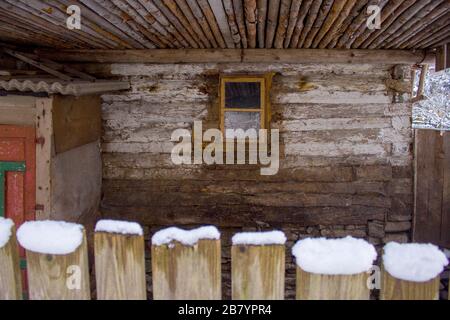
304, 9
283, 20
389, 13
322, 15
309, 22
238, 55
339, 10
292, 22
240, 21
355, 27
250, 21
231, 17
348, 13
416, 11
417, 24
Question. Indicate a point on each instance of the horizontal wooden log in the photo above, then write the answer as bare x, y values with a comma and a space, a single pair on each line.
223, 173
201, 71
395, 186
236, 55
231, 215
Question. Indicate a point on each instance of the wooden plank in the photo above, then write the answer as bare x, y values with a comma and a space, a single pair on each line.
429, 209
48, 275
37, 64
221, 19
17, 101
14, 115
10, 275
442, 57
396, 289
445, 224
119, 266
76, 121
311, 286
240, 55
44, 131
257, 272
182, 272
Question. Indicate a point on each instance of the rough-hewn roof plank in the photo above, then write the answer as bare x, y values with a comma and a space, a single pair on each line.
264, 24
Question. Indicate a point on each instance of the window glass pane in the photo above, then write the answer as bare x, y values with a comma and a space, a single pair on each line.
245, 95
241, 120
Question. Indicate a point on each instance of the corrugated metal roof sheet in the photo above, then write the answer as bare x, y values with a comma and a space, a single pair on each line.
52, 86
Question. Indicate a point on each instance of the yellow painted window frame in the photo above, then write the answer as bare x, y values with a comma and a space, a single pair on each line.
263, 110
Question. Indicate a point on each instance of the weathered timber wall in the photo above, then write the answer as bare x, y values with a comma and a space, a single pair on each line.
345, 163
432, 205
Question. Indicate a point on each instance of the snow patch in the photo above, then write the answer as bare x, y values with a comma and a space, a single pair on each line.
186, 237
5, 231
116, 226
418, 262
50, 237
259, 238
344, 256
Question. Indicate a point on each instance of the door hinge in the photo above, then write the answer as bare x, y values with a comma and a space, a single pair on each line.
39, 207
40, 140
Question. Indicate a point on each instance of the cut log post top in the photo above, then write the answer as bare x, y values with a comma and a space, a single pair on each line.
413, 262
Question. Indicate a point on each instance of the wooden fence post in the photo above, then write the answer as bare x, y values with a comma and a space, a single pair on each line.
257, 270
411, 271
186, 269
311, 286
119, 261
55, 276
397, 289
10, 274
333, 269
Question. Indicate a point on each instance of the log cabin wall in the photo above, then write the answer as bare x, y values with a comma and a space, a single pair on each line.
345, 154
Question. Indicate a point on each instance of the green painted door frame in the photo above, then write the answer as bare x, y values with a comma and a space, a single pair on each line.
6, 166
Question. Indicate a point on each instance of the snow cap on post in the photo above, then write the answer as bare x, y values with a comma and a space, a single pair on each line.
50, 237
344, 256
413, 261
259, 238
186, 237
5, 231
120, 227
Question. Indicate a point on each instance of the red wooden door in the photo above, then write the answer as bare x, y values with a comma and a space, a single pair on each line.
18, 176
18, 169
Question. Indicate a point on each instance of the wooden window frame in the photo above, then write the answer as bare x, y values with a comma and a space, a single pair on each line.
263, 110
